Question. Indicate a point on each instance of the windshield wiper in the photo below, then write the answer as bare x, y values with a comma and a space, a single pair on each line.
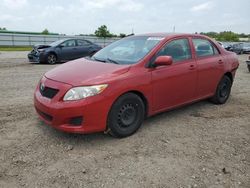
112, 61
96, 59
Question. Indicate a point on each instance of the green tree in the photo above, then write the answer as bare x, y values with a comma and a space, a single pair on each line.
210, 34
122, 35
228, 36
3, 29
45, 32
103, 31
223, 36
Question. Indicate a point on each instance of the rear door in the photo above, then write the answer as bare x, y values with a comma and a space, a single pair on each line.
175, 84
84, 48
209, 66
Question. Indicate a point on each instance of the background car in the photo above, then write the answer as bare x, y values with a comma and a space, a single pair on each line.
248, 63
62, 51
241, 48
226, 45
246, 48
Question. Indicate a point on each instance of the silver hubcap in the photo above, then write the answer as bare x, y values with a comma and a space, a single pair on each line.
51, 59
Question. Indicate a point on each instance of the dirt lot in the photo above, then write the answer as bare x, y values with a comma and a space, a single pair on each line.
200, 145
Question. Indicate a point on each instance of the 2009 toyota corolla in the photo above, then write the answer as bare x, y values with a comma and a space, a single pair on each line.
134, 78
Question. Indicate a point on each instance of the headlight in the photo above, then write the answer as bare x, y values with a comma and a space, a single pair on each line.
77, 93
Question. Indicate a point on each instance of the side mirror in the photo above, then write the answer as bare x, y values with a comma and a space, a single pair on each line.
163, 60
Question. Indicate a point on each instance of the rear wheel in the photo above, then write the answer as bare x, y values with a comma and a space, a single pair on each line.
223, 91
248, 66
51, 59
126, 115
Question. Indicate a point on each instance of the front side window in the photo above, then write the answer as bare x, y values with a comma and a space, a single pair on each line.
69, 43
204, 48
178, 49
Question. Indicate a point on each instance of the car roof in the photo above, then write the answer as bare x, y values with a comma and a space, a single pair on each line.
72, 39
168, 35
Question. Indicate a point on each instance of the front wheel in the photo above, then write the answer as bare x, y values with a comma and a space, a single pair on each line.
51, 59
126, 115
223, 91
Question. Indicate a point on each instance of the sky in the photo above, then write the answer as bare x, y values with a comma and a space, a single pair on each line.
74, 17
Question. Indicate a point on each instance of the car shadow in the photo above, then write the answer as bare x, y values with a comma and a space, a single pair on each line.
105, 138
46, 63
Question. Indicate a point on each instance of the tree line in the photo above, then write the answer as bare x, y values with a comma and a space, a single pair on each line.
104, 32
226, 36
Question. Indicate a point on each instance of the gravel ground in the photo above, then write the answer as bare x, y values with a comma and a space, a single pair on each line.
200, 145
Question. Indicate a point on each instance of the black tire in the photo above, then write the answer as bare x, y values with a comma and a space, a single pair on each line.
223, 91
126, 115
248, 66
51, 58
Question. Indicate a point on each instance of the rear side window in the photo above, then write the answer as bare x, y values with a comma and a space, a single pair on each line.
178, 49
83, 43
204, 48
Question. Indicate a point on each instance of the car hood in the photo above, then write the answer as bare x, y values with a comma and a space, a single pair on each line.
41, 46
86, 72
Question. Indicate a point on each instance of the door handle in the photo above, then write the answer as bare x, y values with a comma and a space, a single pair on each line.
220, 61
191, 67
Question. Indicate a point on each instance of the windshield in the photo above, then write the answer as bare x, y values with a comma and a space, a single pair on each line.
128, 50
57, 42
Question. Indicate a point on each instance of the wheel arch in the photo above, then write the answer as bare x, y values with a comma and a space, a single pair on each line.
230, 75
142, 96
53, 52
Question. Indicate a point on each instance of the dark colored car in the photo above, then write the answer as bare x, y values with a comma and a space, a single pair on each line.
237, 48
62, 51
248, 63
241, 48
246, 48
134, 78
226, 45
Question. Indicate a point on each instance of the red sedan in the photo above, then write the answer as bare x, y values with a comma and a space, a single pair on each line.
134, 78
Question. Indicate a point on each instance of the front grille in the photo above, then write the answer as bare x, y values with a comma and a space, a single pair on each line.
44, 115
48, 92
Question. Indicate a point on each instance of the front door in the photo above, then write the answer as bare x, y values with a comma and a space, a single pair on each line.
175, 84
68, 50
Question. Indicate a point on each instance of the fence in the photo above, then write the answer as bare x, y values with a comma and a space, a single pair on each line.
9, 39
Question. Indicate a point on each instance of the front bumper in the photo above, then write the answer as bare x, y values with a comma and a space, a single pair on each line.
59, 114
33, 58
36, 57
